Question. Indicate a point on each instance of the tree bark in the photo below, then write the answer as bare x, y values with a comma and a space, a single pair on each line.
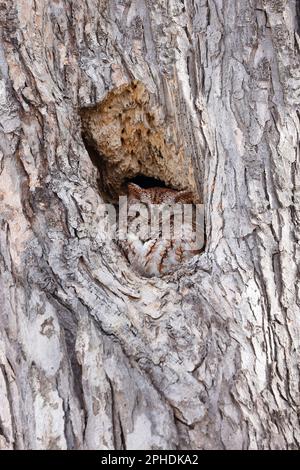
92, 356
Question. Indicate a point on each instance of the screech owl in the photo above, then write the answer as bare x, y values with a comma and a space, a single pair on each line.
162, 229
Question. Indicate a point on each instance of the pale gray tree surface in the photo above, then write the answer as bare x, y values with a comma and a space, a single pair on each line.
93, 356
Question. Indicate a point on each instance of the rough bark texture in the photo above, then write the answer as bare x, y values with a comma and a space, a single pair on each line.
93, 356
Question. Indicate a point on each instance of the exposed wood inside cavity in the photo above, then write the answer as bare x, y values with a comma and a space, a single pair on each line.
127, 137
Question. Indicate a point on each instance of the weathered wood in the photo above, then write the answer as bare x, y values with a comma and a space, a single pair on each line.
91, 355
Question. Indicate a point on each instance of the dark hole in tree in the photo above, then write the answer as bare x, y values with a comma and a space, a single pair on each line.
146, 182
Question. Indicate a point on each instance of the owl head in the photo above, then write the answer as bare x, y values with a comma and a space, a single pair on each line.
158, 195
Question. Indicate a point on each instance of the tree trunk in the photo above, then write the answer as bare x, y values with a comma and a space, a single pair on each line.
93, 356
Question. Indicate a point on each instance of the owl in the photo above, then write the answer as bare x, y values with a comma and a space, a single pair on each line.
162, 230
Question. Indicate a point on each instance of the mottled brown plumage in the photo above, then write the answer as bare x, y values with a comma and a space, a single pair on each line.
154, 246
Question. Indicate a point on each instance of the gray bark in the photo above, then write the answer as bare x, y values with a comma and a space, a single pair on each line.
93, 356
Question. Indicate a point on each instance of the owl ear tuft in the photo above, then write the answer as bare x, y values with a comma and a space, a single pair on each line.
185, 197
134, 190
